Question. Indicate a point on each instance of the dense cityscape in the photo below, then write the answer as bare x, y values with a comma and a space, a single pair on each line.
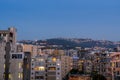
57, 59
59, 39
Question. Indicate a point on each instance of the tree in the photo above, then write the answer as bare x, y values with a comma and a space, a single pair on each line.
98, 77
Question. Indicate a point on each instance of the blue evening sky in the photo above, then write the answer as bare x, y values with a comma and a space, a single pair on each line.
43, 19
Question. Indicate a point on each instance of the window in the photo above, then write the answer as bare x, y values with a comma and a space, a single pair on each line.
20, 65
39, 77
58, 73
10, 76
5, 56
32, 59
117, 64
58, 78
117, 72
11, 34
32, 63
16, 56
41, 68
54, 59
20, 75
4, 66
19, 56
4, 34
52, 68
58, 64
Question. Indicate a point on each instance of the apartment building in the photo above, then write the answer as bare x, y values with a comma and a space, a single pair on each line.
16, 66
45, 68
33, 49
115, 65
67, 65
2, 59
54, 68
9, 36
27, 66
8, 45
38, 68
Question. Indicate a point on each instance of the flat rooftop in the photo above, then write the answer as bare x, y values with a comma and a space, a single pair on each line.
4, 31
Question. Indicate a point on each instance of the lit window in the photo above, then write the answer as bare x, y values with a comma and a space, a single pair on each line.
41, 59
10, 76
57, 78
54, 59
113, 65
117, 57
58, 64
32, 59
52, 68
28, 66
20, 65
41, 68
4, 66
20, 75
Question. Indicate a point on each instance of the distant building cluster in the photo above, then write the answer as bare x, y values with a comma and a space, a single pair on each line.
20, 61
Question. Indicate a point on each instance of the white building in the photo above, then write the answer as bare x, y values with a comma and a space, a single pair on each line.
38, 66
7, 45
16, 66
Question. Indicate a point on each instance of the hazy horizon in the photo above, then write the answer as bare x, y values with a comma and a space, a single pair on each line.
67, 38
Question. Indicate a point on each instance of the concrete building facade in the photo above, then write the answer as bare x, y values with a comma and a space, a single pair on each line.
2, 59
16, 66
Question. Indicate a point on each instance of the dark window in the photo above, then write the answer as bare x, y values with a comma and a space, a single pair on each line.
19, 56
4, 34
11, 34
117, 64
117, 72
16, 56
58, 73
5, 56
11, 41
39, 77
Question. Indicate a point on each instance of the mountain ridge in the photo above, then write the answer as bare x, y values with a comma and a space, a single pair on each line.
72, 42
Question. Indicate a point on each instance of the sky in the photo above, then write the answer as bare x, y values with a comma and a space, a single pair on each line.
44, 19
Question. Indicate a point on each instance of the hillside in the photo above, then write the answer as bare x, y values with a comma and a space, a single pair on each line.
72, 42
